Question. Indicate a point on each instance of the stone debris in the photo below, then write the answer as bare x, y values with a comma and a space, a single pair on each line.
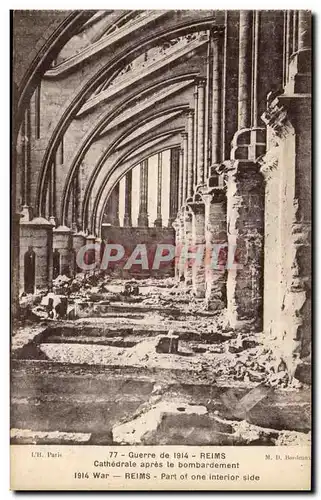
167, 343
27, 436
138, 325
143, 429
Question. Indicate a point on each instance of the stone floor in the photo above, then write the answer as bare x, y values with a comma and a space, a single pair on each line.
99, 378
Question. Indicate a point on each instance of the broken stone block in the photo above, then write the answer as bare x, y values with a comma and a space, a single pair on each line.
173, 423
303, 373
167, 344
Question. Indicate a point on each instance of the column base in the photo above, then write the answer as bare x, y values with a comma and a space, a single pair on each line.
159, 223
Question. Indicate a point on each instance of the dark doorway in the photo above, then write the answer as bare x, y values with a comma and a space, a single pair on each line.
29, 270
56, 264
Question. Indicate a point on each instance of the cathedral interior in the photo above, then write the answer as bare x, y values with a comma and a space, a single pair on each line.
185, 128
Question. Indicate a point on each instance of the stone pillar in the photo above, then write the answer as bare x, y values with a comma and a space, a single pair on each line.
299, 73
217, 101
216, 248
114, 206
26, 154
208, 109
62, 243
190, 153
198, 247
200, 132
78, 241
158, 222
188, 230
128, 199
143, 191
185, 166
255, 72
91, 253
287, 170
75, 202
36, 236
304, 30
176, 226
99, 252
245, 222
52, 194
173, 194
244, 83
195, 136
179, 249
181, 179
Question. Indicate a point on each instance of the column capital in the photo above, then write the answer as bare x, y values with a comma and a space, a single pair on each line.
184, 136
217, 32
284, 111
214, 195
201, 82
191, 113
197, 207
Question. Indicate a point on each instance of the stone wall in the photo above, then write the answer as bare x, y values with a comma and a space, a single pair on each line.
129, 238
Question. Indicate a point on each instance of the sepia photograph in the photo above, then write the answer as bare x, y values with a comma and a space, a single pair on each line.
161, 237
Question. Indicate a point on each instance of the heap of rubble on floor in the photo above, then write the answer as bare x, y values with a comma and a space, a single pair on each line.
151, 326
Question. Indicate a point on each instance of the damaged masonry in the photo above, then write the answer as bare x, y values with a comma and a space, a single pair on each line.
161, 258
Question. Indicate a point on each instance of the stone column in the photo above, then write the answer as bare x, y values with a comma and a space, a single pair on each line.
128, 199
216, 248
190, 153
217, 100
188, 230
99, 253
198, 248
143, 215
181, 179
287, 169
245, 222
78, 241
115, 205
299, 73
62, 244
179, 249
195, 136
158, 222
208, 109
185, 166
173, 194
304, 30
176, 227
36, 236
244, 83
200, 132
75, 202
90, 256
52, 194
26, 153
